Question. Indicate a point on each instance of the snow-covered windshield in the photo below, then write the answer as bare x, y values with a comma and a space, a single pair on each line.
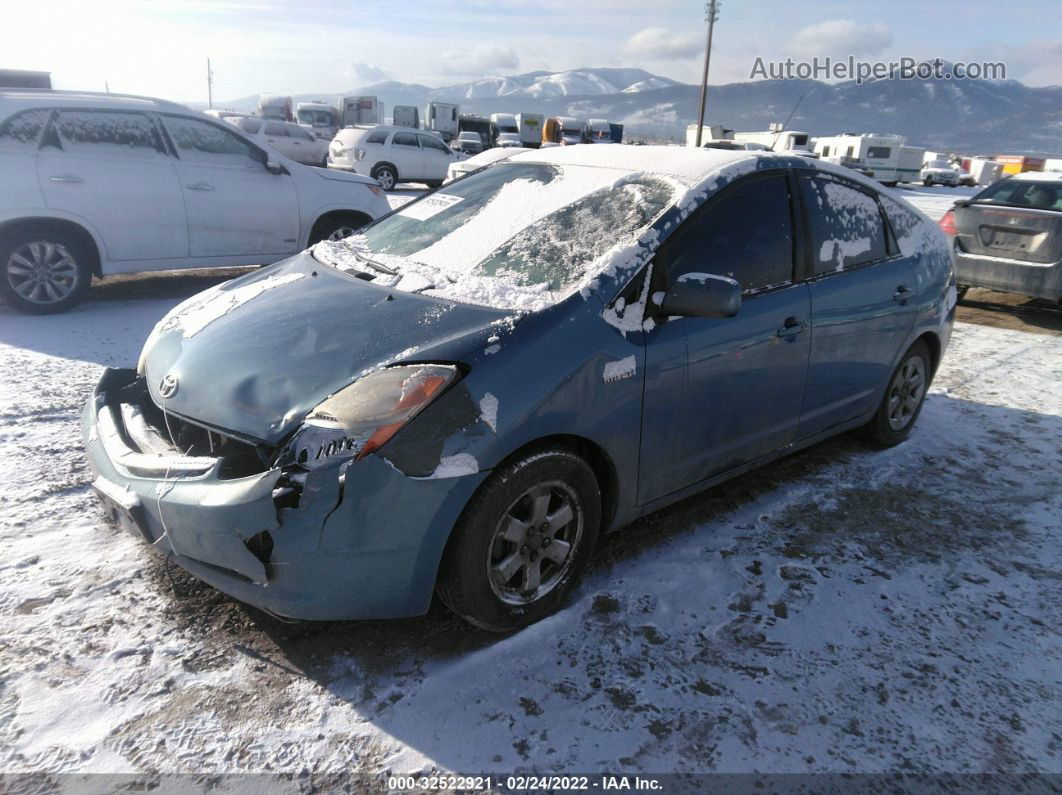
515, 236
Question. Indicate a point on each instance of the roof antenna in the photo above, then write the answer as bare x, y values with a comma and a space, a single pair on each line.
787, 119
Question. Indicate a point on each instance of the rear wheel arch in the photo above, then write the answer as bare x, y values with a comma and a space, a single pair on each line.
387, 164
932, 342
85, 237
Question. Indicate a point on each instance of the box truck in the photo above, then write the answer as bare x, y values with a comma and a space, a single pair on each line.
441, 117
360, 110
275, 106
530, 126
406, 116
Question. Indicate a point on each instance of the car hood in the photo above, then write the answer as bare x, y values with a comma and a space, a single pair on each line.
343, 176
253, 356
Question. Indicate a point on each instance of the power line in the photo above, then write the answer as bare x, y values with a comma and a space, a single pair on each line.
711, 14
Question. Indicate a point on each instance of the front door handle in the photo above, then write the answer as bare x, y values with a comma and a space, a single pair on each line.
902, 294
199, 186
66, 179
791, 327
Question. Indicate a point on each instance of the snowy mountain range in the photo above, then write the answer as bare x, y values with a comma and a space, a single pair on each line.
955, 115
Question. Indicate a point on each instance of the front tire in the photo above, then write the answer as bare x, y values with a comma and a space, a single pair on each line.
523, 540
386, 176
903, 399
337, 228
44, 270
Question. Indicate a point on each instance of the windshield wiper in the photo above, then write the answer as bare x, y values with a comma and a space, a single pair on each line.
376, 266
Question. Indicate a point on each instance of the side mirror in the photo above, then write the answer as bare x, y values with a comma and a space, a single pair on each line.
275, 167
702, 295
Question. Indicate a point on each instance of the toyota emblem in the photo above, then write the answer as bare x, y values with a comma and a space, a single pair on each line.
168, 387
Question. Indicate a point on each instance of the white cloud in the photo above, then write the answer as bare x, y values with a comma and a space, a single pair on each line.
840, 37
367, 73
661, 44
481, 60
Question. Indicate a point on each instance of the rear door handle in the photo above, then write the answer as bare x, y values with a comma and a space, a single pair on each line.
66, 179
902, 294
791, 327
200, 186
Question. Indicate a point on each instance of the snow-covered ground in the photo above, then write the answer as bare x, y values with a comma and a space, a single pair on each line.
841, 610
937, 200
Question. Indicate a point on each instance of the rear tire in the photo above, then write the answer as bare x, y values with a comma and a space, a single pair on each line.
386, 176
961, 291
903, 399
44, 270
523, 540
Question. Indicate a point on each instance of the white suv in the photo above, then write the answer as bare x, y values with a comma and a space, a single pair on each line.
290, 139
95, 184
391, 155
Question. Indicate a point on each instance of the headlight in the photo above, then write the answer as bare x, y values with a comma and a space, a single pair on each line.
358, 420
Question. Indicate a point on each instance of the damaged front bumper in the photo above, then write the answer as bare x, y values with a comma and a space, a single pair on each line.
353, 540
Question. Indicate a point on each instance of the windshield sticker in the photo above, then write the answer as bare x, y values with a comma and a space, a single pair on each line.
429, 206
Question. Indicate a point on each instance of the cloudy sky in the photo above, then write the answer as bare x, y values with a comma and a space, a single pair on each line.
159, 47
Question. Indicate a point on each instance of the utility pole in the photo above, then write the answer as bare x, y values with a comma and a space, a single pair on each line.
210, 85
711, 14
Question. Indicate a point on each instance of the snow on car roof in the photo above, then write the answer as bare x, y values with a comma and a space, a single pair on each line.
683, 163
55, 98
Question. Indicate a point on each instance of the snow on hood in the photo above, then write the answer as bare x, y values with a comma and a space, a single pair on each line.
256, 354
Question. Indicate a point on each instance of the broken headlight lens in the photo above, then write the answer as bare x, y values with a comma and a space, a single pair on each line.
358, 420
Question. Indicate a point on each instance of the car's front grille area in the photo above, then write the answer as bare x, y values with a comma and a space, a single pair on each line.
153, 431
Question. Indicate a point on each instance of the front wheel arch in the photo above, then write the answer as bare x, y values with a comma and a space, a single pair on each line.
329, 219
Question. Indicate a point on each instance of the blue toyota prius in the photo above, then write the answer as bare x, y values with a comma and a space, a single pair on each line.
461, 397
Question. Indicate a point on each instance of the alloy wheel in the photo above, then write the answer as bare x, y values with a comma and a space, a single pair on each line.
906, 392
341, 232
386, 179
42, 272
534, 543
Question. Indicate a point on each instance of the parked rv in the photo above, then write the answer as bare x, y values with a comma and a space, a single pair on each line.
598, 131
530, 125
790, 142
887, 158
441, 117
406, 116
564, 130
320, 118
275, 106
709, 132
354, 111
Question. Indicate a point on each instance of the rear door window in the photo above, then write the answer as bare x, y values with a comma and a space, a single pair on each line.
747, 234
276, 129
22, 131
202, 142
109, 132
377, 137
431, 142
845, 224
405, 139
